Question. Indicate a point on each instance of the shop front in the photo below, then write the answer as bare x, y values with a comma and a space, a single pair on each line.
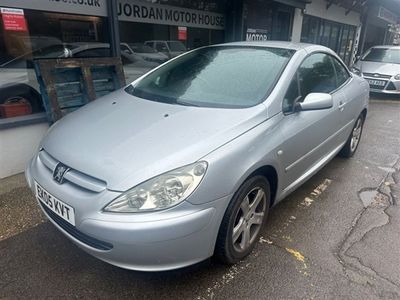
333, 26
269, 20
378, 25
337, 36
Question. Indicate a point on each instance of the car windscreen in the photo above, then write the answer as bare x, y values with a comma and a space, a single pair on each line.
220, 76
25, 61
383, 55
176, 46
140, 48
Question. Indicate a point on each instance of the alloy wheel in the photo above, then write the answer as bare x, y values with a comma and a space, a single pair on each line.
356, 135
249, 219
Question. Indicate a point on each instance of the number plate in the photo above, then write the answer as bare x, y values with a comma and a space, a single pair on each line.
58, 207
376, 82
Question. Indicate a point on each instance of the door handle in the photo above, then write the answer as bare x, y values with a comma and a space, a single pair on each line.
341, 105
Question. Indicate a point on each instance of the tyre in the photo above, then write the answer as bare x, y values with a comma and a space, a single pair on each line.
353, 141
243, 220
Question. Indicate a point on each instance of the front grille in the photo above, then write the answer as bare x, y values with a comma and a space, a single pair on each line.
80, 236
377, 87
377, 75
74, 176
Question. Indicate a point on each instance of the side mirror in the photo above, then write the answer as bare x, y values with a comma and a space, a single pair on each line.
67, 53
316, 101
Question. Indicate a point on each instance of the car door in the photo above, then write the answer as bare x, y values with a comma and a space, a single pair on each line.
309, 136
353, 96
163, 48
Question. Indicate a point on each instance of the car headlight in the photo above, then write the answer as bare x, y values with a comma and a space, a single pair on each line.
356, 71
160, 192
397, 77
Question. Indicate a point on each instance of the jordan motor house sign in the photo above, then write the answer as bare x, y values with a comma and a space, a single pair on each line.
168, 15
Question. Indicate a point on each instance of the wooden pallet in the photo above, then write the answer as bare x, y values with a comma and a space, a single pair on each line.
67, 84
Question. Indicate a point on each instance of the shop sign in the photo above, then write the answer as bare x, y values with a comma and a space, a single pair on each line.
182, 33
256, 34
387, 15
81, 7
13, 19
134, 11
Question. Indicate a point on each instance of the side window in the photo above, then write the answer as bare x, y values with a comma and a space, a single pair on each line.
341, 73
317, 75
95, 52
292, 96
125, 49
161, 47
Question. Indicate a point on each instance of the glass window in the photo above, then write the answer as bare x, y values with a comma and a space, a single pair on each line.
349, 46
341, 73
157, 31
125, 48
344, 42
204, 77
93, 52
325, 33
161, 47
292, 95
334, 38
46, 35
317, 75
268, 20
339, 37
310, 30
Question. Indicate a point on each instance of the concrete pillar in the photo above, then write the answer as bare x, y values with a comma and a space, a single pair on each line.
297, 25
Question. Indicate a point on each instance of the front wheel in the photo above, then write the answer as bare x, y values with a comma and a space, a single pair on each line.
243, 220
353, 141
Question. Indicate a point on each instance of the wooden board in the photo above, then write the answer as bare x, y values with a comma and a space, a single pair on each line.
67, 84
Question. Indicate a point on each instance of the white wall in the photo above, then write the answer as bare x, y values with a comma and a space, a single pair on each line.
335, 13
297, 25
17, 146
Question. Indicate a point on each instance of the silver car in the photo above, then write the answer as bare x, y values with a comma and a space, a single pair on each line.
380, 66
185, 162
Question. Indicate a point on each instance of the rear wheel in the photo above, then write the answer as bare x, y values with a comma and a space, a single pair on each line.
243, 220
353, 141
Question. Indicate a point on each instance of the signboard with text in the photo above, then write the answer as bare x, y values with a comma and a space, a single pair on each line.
13, 19
128, 10
81, 7
143, 12
256, 34
182, 33
387, 15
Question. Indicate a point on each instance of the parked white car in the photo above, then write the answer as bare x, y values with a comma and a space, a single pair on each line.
142, 52
169, 48
380, 66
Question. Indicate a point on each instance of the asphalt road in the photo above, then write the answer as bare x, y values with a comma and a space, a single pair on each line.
338, 236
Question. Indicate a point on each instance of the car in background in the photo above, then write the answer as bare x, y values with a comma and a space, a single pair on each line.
185, 162
141, 51
170, 48
380, 66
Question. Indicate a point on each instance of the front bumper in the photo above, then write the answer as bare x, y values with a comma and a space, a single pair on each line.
175, 238
391, 86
